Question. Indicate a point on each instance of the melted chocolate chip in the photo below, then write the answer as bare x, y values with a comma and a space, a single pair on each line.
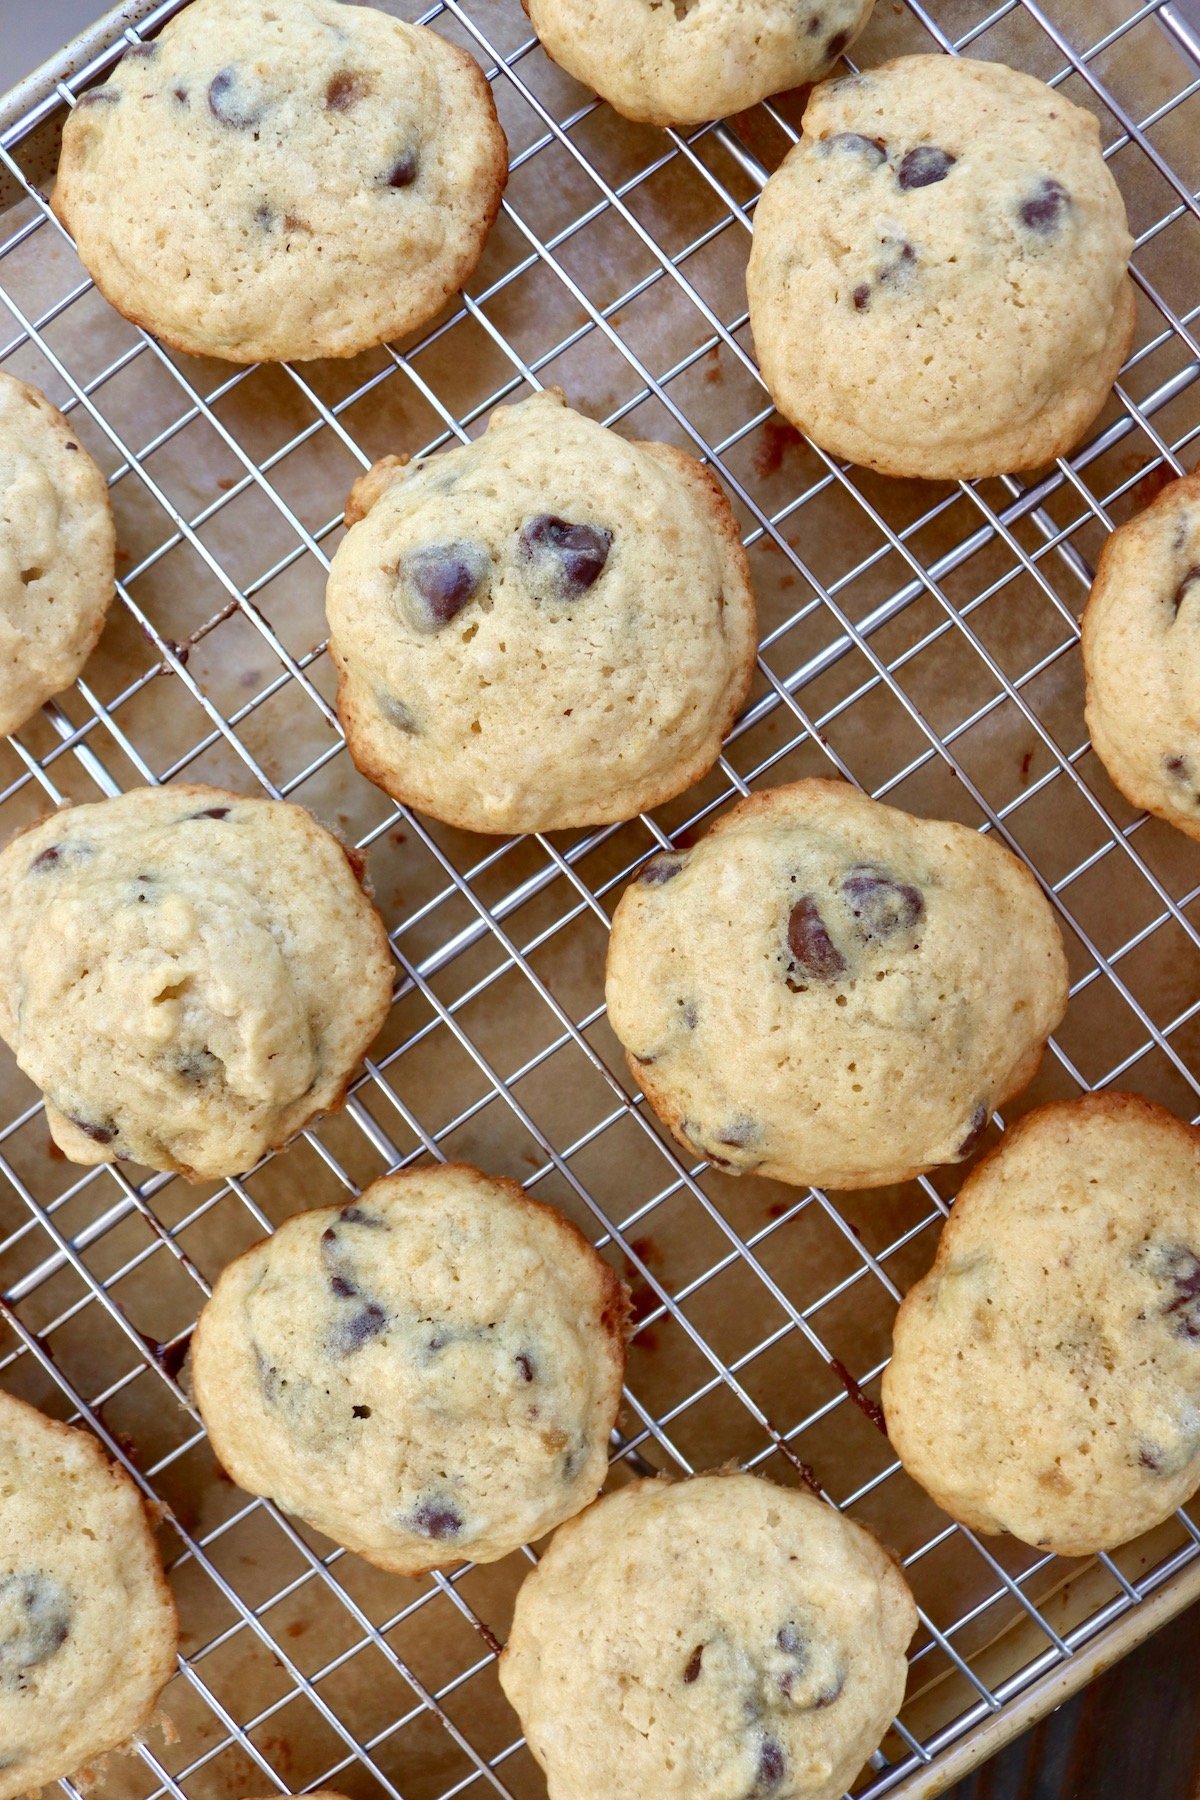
739, 1133
772, 1766
99, 1133
814, 952
924, 165
140, 50
524, 1362
836, 45
1181, 592
46, 859
1180, 1267
442, 579
403, 171
397, 714
861, 297
344, 1289
1150, 1459
1042, 211
791, 1642
226, 105
692, 1672
181, 95
874, 150
200, 1066
99, 96
658, 870
577, 552
211, 812
35, 1620
436, 1519
351, 1334
975, 1131
357, 1215
346, 89
881, 905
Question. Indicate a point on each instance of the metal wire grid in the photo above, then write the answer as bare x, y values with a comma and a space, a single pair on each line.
1040, 528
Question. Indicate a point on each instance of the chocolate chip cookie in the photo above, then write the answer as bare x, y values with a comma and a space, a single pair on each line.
1141, 652
426, 1375
689, 60
188, 976
57, 550
938, 279
828, 990
701, 1639
273, 179
1045, 1378
77, 1561
548, 627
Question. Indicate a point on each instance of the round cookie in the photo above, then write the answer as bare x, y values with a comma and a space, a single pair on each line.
189, 976
57, 552
1141, 654
1045, 1376
426, 1375
938, 279
708, 1639
283, 180
829, 991
690, 60
87, 1623
549, 627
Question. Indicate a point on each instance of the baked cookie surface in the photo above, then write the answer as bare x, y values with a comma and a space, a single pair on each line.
938, 279
1141, 654
826, 990
427, 1375
548, 627
57, 548
680, 63
77, 1561
1045, 1374
711, 1639
189, 976
283, 178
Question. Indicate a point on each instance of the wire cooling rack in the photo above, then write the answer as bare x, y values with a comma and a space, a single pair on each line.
919, 640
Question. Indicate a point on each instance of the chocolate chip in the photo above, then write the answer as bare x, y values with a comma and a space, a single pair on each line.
861, 297
99, 96
579, 552
659, 869
35, 1615
199, 1066
140, 50
404, 170
814, 952
351, 1334
1182, 1268
442, 578
225, 104
398, 715
772, 1766
924, 165
524, 1362
360, 1412
874, 150
1150, 1459
99, 1134
436, 1519
1043, 209
1174, 765
1192, 575
211, 812
692, 1672
836, 45
813, 28
740, 1133
881, 905
264, 215
344, 1289
45, 859
357, 1215
346, 89
181, 95
975, 1131
790, 1641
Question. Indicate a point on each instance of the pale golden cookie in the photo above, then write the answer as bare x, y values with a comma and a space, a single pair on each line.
714, 1639
427, 1375
272, 179
1045, 1376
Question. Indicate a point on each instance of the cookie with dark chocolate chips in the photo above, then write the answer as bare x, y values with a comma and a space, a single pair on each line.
427, 1375
1045, 1375
1141, 655
767, 1659
77, 1557
938, 283
828, 990
283, 179
548, 627
683, 62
